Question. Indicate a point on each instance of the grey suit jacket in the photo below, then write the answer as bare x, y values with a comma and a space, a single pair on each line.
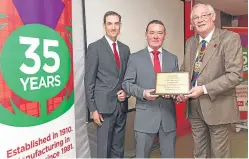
102, 78
139, 76
221, 71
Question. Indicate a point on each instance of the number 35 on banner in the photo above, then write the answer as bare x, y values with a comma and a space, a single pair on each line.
49, 81
35, 65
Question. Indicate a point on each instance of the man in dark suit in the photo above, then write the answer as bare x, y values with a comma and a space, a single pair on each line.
154, 114
215, 61
106, 62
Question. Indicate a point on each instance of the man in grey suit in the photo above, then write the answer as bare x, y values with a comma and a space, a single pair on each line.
106, 62
154, 114
214, 59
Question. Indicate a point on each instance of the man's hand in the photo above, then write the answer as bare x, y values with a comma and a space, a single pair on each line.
166, 96
195, 92
121, 95
169, 96
181, 98
97, 118
149, 96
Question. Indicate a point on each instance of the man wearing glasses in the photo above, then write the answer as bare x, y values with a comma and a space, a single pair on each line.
214, 59
105, 68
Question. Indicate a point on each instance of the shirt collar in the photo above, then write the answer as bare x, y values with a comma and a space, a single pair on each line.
109, 40
208, 38
150, 49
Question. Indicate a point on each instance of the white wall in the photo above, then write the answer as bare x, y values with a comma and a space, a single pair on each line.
136, 14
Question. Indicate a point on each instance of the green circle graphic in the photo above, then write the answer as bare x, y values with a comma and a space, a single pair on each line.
35, 62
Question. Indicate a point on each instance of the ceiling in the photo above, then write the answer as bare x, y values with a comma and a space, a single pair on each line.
232, 7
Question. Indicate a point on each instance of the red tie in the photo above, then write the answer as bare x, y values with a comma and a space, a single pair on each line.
157, 67
116, 55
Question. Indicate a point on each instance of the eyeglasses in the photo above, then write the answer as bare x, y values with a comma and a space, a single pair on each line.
204, 16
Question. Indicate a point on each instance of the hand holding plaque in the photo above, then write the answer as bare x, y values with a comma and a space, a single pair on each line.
172, 83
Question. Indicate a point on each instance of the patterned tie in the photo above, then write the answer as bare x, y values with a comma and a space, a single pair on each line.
198, 62
116, 55
157, 67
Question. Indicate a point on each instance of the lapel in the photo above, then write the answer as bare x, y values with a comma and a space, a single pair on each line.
193, 49
110, 53
164, 61
121, 57
210, 50
211, 47
147, 59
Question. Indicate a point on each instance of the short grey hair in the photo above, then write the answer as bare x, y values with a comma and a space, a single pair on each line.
210, 8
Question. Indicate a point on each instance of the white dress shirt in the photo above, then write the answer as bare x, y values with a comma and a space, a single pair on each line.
111, 42
160, 55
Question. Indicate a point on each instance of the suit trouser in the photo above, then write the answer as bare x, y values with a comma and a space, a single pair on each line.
145, 142
209, 140
111, 135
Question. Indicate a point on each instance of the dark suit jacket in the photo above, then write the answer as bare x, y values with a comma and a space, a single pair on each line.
102, 78
221, 71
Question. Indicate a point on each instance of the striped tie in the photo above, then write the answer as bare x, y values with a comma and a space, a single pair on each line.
198, 62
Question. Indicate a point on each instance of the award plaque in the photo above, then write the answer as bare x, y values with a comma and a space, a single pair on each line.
172, 83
